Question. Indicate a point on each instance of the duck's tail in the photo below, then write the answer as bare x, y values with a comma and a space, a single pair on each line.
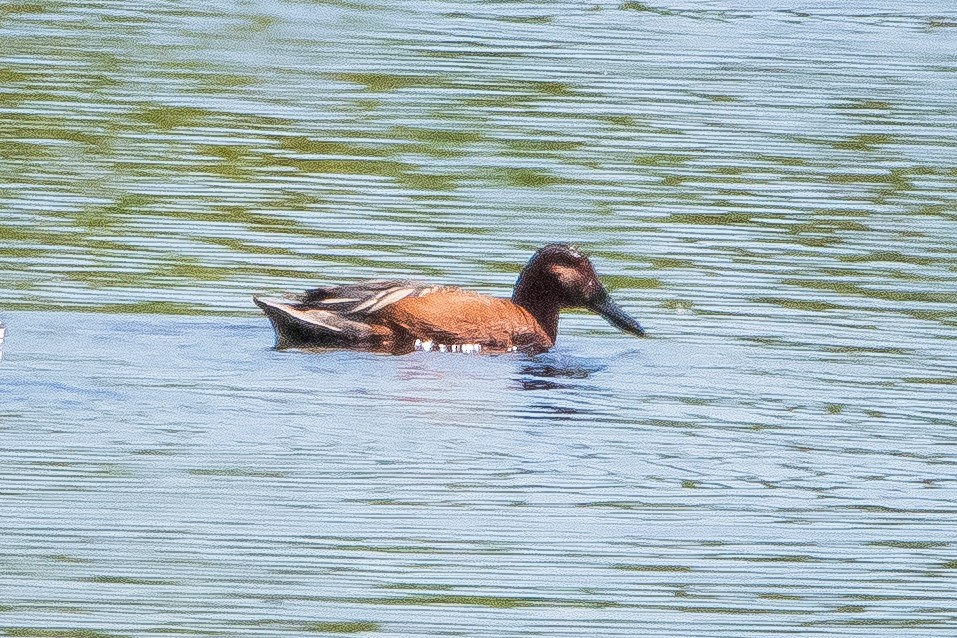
299, 326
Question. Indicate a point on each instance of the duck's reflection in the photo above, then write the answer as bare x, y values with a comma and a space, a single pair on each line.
546, 372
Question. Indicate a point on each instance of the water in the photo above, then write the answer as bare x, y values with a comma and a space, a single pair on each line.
770, 191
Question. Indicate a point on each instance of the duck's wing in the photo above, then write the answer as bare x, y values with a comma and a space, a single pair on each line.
366, 298
338, 316
297, 326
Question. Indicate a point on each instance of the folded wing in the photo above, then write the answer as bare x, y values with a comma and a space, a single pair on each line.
338, 316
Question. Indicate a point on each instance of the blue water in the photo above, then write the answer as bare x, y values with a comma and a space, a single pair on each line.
164, 475
771, 191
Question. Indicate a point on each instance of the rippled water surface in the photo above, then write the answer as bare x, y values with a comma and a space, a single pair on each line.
772, 191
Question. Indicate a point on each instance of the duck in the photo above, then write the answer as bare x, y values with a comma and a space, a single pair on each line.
401, 316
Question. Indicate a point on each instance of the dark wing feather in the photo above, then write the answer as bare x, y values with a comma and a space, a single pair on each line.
364, 299
298, 326
338, 316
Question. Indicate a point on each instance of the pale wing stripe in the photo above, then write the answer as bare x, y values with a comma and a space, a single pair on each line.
318, 318
315, 318
392, 295
390, 298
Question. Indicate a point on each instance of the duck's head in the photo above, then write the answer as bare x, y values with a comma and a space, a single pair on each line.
558, 276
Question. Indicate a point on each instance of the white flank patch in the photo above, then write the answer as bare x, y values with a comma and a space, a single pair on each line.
429, 346
424, 346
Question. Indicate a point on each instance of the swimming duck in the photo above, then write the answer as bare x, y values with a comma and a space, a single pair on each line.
403, 316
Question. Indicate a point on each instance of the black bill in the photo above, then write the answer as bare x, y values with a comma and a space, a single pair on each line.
615, 315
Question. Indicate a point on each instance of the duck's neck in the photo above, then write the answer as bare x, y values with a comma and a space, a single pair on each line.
539, 301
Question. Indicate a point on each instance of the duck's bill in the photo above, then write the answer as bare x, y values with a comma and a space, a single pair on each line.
616, 316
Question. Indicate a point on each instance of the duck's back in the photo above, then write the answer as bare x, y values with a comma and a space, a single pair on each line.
395, 315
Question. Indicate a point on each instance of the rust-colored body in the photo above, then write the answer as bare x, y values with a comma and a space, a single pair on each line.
457, 317
400, 316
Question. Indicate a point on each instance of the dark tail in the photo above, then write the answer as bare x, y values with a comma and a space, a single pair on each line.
299, 327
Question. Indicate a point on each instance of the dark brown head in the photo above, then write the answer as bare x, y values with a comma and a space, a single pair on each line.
557, 277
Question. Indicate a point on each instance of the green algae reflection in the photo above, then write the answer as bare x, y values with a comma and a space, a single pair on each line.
423, 597
341, 627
